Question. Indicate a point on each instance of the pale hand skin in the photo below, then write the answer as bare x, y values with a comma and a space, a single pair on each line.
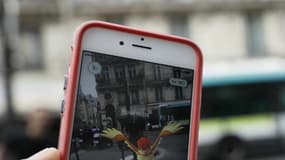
46, 154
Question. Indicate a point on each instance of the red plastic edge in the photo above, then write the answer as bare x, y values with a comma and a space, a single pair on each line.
67, 116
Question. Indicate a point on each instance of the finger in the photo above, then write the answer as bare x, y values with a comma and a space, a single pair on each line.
178, 129
177, 125
105, 131
170, 123
103, 135
173, 124
46, 154
108, 129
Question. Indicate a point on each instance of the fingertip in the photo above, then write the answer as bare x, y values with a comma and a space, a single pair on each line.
46, 154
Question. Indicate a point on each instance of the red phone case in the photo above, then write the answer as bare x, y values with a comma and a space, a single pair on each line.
68, 110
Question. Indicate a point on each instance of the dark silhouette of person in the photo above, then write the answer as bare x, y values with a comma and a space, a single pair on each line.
23, 141
111, 112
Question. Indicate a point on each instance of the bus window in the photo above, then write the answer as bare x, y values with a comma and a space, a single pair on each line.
282, 97
243, 114
175, 111
237, 100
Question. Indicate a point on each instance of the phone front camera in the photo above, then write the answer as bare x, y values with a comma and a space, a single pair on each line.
142, 39
122, 43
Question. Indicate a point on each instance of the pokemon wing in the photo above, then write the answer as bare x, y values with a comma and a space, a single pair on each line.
114, 134
170, 128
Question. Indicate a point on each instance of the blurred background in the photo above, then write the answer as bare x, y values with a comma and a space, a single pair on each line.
243, 44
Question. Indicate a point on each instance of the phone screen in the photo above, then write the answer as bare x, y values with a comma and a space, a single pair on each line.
138, 100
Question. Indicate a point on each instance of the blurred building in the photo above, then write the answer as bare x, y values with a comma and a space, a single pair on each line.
227, 31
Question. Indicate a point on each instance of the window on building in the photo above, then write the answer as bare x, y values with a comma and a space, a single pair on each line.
177, 73
255, 34
122, 98
178, 93
135, 97
105, 74
157, 72
132, 71
179, 24
29, 56
120, 72
158, 94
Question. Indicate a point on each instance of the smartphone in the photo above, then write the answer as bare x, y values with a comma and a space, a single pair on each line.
130, 94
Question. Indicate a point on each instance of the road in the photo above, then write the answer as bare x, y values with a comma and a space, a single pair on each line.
270, 158
170, 148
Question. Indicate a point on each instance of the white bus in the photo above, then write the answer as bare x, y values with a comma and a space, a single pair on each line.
178, 111
243, 115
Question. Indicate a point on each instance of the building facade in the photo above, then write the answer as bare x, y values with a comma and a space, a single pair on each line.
119, 87
226, 31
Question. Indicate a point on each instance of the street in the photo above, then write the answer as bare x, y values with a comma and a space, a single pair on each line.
167, 150
270, 158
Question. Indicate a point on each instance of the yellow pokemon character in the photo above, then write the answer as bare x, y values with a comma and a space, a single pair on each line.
144, 149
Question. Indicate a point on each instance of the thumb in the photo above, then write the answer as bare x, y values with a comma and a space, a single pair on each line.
46, 154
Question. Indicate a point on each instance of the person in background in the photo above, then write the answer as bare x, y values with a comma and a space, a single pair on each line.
111, 112
23, 141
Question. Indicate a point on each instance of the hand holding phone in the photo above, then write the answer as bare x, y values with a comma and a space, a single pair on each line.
126, 90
